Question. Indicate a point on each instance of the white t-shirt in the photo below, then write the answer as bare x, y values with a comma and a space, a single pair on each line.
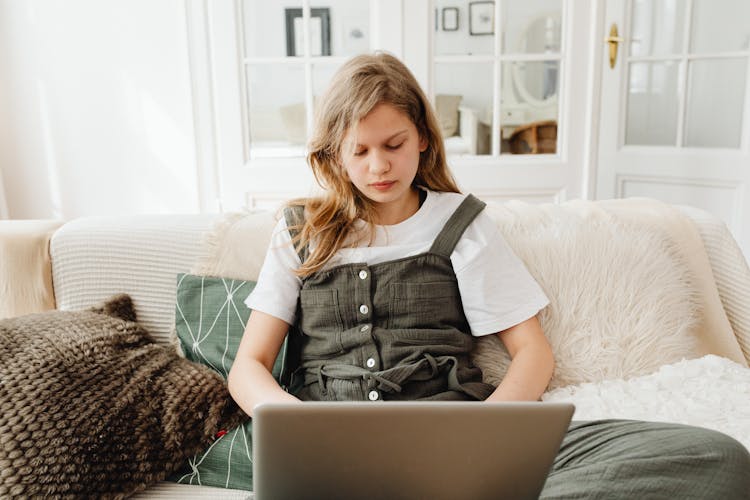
496, 289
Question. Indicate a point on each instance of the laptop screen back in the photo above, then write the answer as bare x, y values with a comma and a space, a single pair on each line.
405, 450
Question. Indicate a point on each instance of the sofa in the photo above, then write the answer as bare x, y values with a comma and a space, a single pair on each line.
649, 315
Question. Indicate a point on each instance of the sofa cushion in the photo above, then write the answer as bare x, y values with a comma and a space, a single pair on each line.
210, 320
236, 245
90, 405
624, 296
714, 331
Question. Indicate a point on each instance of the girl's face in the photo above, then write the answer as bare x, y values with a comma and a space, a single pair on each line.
381, 158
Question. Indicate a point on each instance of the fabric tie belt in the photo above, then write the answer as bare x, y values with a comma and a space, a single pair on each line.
392, 379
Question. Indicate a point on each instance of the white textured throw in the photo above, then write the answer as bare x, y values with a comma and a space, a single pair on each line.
711, 392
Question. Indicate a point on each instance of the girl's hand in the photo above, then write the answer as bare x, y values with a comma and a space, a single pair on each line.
532, 363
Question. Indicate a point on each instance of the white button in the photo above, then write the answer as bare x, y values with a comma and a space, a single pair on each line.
364, 328
362, 275
370, 363
364, 309
373, 395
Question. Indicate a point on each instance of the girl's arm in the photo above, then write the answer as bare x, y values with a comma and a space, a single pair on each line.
250, 381
532, 363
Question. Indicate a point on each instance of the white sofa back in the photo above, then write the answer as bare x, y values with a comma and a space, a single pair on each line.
94, 258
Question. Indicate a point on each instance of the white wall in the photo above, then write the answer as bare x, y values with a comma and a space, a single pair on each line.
96, 108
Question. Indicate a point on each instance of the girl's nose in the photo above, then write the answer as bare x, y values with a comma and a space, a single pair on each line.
379, 163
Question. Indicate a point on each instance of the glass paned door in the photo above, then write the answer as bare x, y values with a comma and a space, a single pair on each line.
679, 52
519, 112
713, 119
653, 104
499, 62
277, 122
291, 50
675, 106
460, 104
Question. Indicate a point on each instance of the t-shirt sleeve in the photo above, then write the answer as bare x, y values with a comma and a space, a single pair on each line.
278, 287
497, 290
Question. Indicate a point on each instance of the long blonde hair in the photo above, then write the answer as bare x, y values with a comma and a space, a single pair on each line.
358, 86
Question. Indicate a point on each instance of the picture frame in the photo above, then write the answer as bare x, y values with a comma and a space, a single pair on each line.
481, 18
450, 18
320, 32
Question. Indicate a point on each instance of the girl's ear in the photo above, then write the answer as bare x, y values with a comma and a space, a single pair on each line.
422, 143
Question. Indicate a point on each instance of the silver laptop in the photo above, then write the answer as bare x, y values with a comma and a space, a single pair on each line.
407, 450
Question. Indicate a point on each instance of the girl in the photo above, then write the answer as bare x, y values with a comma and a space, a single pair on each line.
385, 278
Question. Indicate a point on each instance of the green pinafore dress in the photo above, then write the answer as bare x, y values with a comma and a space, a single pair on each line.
395, 330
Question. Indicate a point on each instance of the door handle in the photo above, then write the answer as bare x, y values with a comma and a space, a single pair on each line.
613, 40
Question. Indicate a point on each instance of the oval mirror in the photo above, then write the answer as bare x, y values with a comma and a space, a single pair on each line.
536, 81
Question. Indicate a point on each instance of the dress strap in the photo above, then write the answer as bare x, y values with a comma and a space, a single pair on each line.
457, 223
295, 217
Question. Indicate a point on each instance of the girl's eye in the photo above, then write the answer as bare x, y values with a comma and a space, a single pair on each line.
360, 152
395, 146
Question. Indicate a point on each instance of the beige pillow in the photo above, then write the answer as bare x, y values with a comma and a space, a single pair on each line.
446, 107
236, 246
627, 287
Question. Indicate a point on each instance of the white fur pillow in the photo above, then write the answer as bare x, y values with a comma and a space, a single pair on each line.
622, 300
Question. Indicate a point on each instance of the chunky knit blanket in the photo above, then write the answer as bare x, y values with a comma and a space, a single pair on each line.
90, 406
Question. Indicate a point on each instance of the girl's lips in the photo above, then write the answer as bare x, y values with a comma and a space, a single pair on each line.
382, 185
